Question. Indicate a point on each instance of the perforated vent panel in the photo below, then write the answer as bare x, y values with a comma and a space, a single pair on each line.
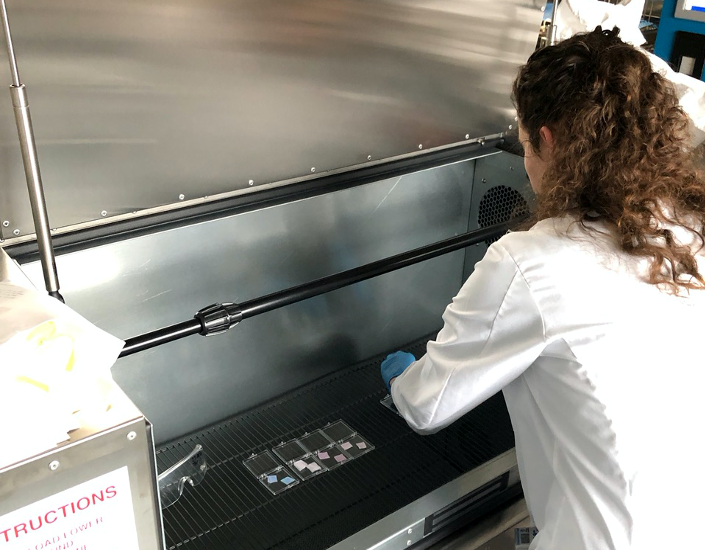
500, 204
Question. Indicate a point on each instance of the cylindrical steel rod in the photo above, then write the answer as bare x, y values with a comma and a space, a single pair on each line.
319, 286
10, 49
34, 186
551, 38
31, 166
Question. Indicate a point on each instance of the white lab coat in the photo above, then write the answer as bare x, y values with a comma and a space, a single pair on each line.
603, 376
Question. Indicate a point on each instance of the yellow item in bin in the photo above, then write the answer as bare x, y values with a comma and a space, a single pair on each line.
54, 371
54, 357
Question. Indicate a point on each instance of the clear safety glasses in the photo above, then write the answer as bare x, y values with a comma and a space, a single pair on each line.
190, 469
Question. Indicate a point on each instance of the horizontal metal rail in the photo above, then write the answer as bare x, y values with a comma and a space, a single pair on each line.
218, 318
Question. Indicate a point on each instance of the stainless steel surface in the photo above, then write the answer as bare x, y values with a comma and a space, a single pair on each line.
388, 533
30, 161
134, 286
406, 536
493, 533
135, 103
92, 452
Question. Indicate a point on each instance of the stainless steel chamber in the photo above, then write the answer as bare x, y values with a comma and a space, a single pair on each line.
138, 106
194, 153
269, 378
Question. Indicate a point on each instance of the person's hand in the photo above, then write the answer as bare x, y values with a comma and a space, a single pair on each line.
394, 365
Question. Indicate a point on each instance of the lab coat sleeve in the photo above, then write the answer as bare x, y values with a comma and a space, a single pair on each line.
493, 331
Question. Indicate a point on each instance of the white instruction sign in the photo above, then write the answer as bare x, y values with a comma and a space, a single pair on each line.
95, 515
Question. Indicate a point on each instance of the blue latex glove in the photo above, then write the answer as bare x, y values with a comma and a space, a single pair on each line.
394, 365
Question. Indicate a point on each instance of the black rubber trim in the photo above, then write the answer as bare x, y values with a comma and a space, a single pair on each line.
126, 229
461, 507
510, 496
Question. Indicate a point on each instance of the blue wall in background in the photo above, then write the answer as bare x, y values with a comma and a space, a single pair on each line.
668, 27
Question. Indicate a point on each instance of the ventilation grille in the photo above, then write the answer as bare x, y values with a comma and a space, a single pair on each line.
464, 506
499, 205
231, 510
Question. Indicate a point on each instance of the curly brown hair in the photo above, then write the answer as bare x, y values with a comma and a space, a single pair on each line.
621, 150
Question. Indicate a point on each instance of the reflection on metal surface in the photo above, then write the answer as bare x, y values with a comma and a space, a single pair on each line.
159, 279
136, 104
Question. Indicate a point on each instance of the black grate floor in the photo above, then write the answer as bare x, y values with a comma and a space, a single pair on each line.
231, 510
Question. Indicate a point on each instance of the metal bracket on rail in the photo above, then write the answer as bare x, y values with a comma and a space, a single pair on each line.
218, 318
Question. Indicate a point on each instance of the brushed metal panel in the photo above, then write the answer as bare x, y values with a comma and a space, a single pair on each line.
136, 103
144, 283
82, 460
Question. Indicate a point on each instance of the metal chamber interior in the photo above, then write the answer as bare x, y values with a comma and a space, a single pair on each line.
132, 286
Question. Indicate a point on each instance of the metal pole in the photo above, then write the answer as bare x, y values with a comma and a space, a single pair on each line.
220, 317
552, 38
31, 166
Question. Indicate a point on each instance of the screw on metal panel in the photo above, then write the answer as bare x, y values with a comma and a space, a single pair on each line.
131, 436
6, 223
408, 543
251, 182
484, 180
313, 169
16, 232
511, 168
410, 531
482, 142
510, 126
104, 213
516, 119
369, 157
420, 145
182, 197
467, 136
54, 465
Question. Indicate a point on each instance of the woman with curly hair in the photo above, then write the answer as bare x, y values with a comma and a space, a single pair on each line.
591, 320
